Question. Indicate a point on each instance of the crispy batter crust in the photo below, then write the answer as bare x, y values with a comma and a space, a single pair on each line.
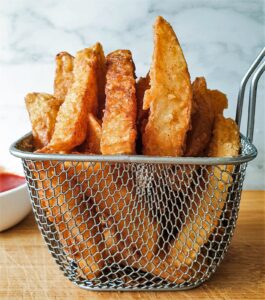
64, 76
119, 121
42, 109
71, 123
169, 97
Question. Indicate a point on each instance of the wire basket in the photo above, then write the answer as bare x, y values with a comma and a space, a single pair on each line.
137, 222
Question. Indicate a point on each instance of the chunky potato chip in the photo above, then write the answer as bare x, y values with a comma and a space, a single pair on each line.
42, 109
64, 76
170, 96
119, 121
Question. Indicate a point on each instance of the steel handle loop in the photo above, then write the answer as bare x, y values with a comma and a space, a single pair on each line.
252, 101
241, 93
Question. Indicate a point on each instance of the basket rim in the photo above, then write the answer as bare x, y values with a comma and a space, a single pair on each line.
242, 158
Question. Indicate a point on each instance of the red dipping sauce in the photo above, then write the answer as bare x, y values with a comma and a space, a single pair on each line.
9, 181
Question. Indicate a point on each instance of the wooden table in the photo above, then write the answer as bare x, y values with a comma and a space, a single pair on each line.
27, 270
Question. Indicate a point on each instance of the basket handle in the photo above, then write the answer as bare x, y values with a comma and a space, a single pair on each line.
257, 68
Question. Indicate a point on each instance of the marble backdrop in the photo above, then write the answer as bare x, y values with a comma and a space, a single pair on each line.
220, 39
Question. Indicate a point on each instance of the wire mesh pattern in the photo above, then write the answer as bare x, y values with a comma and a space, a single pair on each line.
130, 225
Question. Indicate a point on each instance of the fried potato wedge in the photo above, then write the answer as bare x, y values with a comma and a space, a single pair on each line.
206, 209
74, 217
42, 109
207, 104
142, 84
94, 132
170, 96
202, 118
119, 121
64, 76
131, 234
101, 79
219, 101
71, 123
225, 142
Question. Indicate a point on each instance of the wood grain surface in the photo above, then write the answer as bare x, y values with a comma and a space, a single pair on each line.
28, 271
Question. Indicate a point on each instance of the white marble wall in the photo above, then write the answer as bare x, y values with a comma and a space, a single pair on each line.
220, 39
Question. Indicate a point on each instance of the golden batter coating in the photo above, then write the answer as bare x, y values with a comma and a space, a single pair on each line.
170, 96
202, 118
42, 109
71, 123
119, 121
64, 76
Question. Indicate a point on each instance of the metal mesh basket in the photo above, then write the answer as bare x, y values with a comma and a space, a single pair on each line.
135, 222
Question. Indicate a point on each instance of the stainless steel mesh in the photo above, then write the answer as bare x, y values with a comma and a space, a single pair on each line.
135, 225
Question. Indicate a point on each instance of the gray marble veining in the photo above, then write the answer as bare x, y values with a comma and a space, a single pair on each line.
220, 39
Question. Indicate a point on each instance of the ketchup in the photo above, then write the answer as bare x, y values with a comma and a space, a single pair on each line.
9, 181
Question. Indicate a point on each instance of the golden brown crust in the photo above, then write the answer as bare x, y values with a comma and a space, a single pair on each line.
219, 101
94, 132
71, 123
207, 207
64, 76
119, 121
142, 85
169, 97
202, 118
42, 109
101, 79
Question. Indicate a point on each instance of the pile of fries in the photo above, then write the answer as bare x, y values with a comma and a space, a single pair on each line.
99, 107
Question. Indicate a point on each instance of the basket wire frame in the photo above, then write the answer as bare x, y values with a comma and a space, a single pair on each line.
136, 222
101, 219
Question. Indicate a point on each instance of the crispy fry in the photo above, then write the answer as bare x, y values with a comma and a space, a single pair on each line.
63, 74
219, 101
142, 84
42, 109
202, 118
131, 235
169, 97
119, 121
75, 220
101, 79
94, 131
71, 123
205, 213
